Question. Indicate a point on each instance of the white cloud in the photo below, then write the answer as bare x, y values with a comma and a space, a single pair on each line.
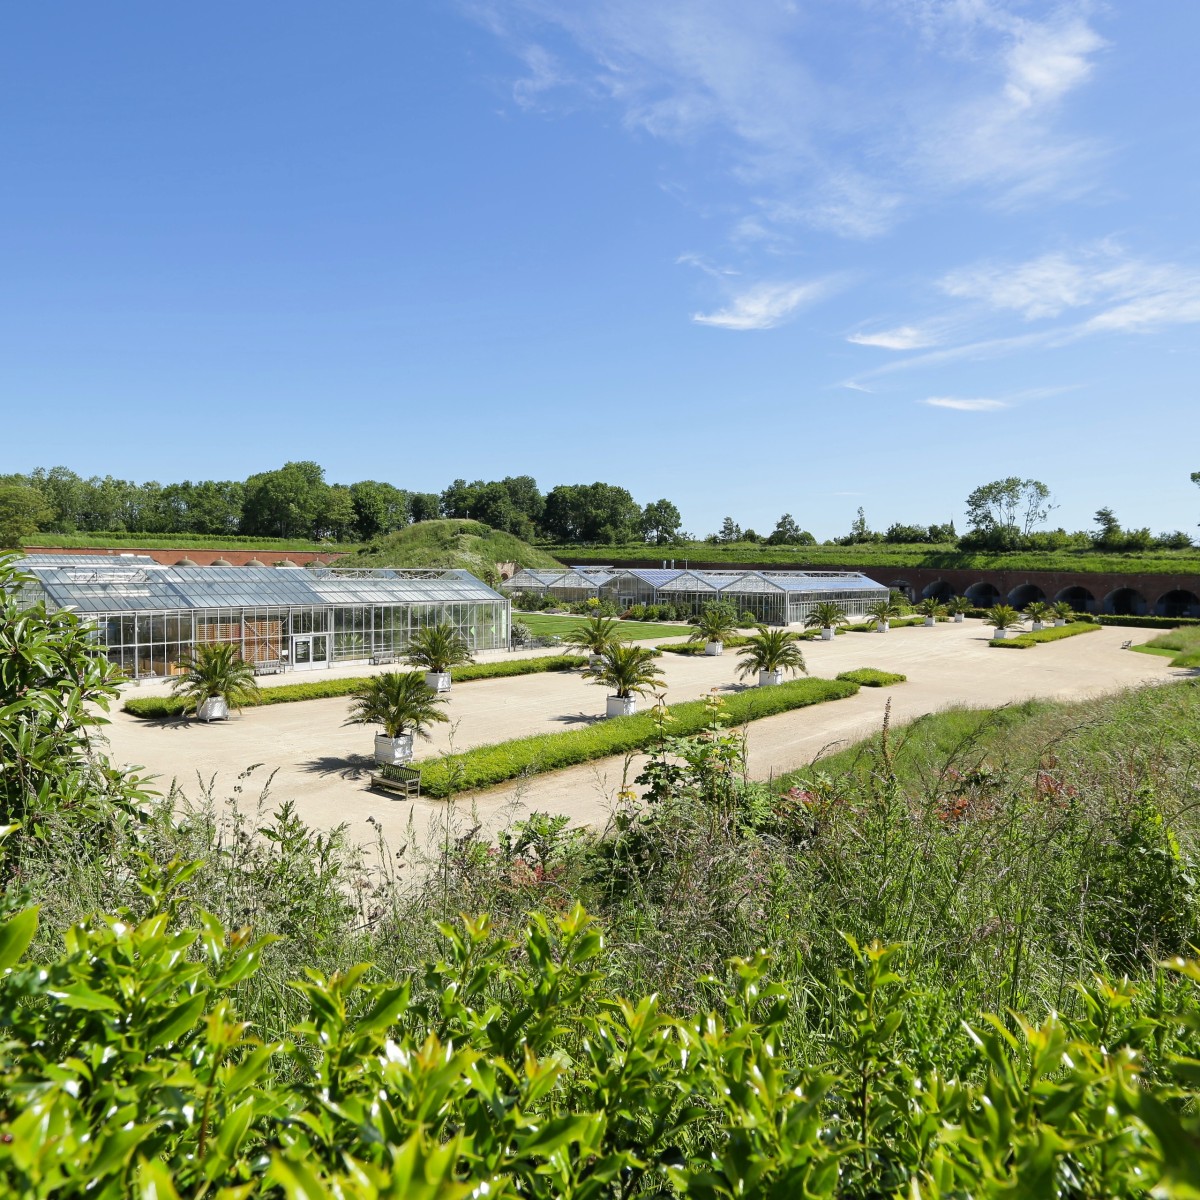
961, 405
764, 306
906, 337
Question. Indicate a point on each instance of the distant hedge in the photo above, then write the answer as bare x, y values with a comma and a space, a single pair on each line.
872, 677
487, 766
1132, 622
159, 708
1055, 633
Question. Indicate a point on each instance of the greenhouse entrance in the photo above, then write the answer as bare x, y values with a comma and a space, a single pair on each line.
310, 652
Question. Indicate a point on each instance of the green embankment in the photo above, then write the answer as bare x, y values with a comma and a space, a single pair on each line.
464, 545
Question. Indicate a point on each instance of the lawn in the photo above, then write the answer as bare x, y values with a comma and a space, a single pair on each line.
544, 625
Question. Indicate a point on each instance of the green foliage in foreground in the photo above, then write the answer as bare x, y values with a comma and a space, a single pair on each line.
158, 708
872, 677
1052, 633
486, 766
510, 1068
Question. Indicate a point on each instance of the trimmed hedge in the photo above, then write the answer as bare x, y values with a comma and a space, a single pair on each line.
731, 643
1132, 622
898, 623
1055, 633
486, 766
872, 677
159, 708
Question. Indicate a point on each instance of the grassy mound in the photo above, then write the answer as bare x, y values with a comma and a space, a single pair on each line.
465, 545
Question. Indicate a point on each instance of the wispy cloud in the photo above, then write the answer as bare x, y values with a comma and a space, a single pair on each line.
764, 306
963, 405
906, 337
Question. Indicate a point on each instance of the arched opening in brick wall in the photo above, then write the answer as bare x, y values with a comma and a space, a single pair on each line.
1079, 598
903, 587
940, 591
1125, 602
1178, 603
982, 594
1027, 593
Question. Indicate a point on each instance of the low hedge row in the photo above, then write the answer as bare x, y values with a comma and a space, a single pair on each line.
872, 677
730, 643
1143, 622
898, 623
486, 766
1054, 633
159, 708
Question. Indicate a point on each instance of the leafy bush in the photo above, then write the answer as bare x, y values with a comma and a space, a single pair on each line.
1054, 633
486, 766
871, 677
1132, 622
158, 708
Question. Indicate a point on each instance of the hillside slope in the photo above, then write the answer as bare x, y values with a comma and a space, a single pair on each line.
467, 545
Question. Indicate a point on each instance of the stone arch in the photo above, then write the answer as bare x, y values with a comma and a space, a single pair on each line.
1079, 598
983, 594
1177, 603
1025, 593
940, 591
1125, 602
903, 587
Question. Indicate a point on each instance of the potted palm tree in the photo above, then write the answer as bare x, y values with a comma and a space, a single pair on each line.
404, 704
438, 648
931, 609
595, 635
215, 678
1003, 617
1039, 612
883, 612
826, 616
770, 652
714, 623
1063, 612
958, 607
629, 670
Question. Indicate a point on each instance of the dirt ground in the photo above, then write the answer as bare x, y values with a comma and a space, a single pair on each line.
322, 764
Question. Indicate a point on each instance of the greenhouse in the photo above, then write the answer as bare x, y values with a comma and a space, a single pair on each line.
147, 617
774, 597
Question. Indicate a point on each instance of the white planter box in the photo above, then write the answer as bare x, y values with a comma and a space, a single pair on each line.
393, 751
826, 634
958, 618
1059, 622
770, 678
1038, 627
713, 648
999, 634
929, 621
594, 660
883, 626
438, 681
620, 706
213, 709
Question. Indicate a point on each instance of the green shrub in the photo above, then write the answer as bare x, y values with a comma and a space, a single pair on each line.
158, 708
1133, 622
486, 766
1054, 633
690, 648
871, 677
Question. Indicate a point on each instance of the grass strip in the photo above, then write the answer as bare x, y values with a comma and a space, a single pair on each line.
160, 708
873, 677
545, 625
486, 766
730, 643
1026, 641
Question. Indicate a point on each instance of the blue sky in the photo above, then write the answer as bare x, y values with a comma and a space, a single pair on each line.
753, 256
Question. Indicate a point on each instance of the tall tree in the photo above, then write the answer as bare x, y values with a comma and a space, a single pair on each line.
730, 531
1006, 510
378, 507
423, 506
660, 522
285, 503
23, 511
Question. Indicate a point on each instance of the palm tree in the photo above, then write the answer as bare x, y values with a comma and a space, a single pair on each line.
629, 670
1003, 617
714, 623
883, 612
958, 607
825, 616
404, 704
931, 609
437, 648
1063, 612
216, 678
595, 635
1039, 612
770, 652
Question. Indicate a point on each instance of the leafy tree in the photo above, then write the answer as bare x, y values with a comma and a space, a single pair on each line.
458, 500
23, 511
660, 522
64, 492
378, 508
526, 496
590, 512
423, 506
788, 533
337, 520
1001, 513
730, 531
285, 503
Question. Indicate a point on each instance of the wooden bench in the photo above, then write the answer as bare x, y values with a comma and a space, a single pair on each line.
270, 666
405, 780
383, 657
1126, 645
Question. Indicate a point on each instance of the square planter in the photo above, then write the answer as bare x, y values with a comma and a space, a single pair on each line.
213, 709
770, 678
826, 634
713, 648
620, 706
438, 681
958, 618
1037, 627
999, 634
393, 751
929, 622
883, 626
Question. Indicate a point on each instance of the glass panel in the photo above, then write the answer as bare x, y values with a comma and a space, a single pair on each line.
301, 651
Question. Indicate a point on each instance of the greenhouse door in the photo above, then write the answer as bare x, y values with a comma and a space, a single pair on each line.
310, 652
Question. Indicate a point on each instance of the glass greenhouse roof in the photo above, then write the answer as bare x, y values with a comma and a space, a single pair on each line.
122, 585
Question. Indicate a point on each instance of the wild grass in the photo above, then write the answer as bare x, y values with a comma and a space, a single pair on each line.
1183, 644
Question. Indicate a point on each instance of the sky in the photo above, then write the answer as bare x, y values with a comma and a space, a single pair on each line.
754, 256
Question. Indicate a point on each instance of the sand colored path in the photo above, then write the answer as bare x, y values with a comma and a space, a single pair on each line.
322, 764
